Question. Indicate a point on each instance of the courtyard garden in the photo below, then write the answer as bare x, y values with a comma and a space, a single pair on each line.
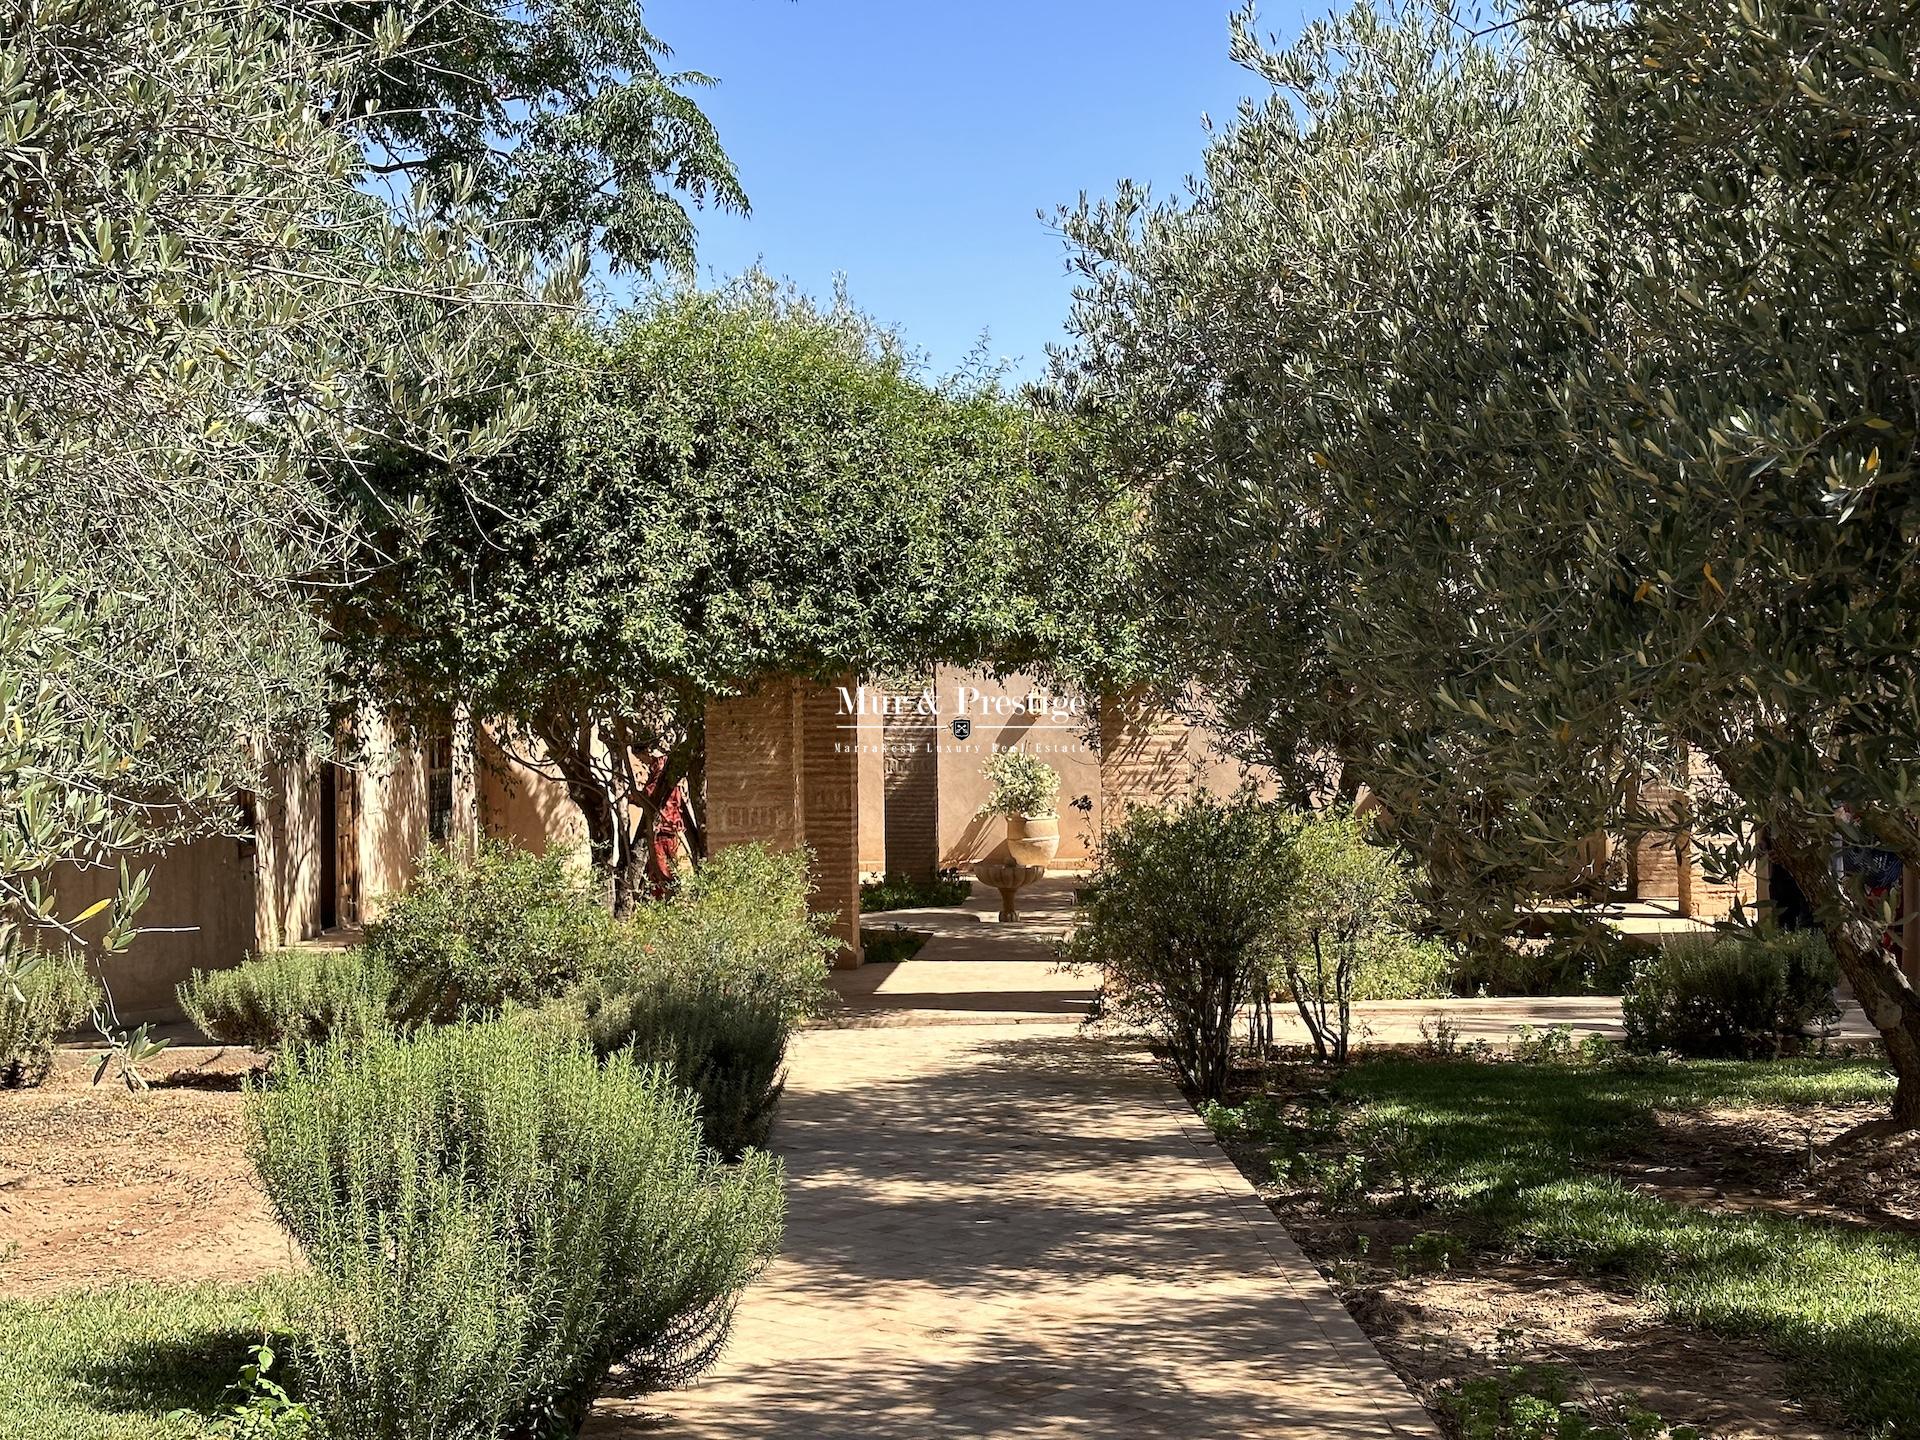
512, 1142
1488, 481
1547, 1235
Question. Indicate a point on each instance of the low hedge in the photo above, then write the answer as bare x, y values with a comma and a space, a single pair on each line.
472, 936
287, 995
1716, 996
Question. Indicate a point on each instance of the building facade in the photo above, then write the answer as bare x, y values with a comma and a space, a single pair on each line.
869, 777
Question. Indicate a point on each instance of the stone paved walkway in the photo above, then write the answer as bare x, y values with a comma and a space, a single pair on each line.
1000, 1230
976, 970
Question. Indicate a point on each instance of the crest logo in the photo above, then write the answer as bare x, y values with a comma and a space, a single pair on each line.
962, 727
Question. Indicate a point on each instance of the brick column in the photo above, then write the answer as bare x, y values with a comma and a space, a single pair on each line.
912, 815
782, 771
830, 810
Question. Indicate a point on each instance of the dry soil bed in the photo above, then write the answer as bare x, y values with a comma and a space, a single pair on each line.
1763, 1158
99, 1184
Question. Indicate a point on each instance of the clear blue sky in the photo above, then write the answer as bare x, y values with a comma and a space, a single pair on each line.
910, 143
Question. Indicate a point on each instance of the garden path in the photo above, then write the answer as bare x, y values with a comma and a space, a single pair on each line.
1016, 1230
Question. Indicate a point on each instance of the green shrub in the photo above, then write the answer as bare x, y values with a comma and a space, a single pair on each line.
711, 983
287, 995
1575, 957
1348, 901
494, 1220
1730, 995
1182, 917
1395, 966
470, 936
727, 1048
742, 919
1023, 784
891, 944
47, 994
895, 891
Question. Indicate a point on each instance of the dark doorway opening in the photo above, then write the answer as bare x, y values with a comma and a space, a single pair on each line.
329, 846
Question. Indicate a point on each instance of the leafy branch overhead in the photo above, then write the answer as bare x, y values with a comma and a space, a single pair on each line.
564, 116
205, 314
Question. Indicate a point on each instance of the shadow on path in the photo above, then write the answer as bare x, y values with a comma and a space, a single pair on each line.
1021, 1233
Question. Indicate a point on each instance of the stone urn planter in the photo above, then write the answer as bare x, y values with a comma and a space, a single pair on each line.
1033, 839
1009, 879
1024, 789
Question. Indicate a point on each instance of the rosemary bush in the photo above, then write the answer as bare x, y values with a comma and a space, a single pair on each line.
44, 995
495, 1220
287, 995
711, 984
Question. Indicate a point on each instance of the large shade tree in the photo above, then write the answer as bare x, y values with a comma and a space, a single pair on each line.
1517, 409
718, 487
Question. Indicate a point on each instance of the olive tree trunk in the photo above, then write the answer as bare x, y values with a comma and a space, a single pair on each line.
621, 792
1871, 966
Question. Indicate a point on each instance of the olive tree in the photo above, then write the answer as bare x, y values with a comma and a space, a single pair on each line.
1229, 345
202, 308
1521, 407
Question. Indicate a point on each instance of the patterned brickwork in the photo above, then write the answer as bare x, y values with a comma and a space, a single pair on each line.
830, 810
1149, 757
753, 769
1666, 864
781, 771
1658, 856
912, 794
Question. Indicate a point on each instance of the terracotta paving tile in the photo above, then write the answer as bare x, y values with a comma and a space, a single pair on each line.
1020, 1231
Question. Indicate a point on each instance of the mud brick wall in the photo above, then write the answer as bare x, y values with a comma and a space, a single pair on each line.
1152, 757
830, 811
912, 787
781, 772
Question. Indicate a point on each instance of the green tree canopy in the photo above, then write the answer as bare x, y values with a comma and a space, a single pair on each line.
1517, 409
718, 488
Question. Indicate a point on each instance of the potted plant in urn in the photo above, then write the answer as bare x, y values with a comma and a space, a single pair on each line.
1024, 790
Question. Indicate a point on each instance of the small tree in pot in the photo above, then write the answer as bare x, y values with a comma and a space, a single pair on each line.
1025, 790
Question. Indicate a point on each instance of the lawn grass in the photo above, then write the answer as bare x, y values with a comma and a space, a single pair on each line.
1513, 1157
115, 1364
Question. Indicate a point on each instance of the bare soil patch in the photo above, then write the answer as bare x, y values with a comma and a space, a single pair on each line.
1484, 1313
1764, 1158
100, 1184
